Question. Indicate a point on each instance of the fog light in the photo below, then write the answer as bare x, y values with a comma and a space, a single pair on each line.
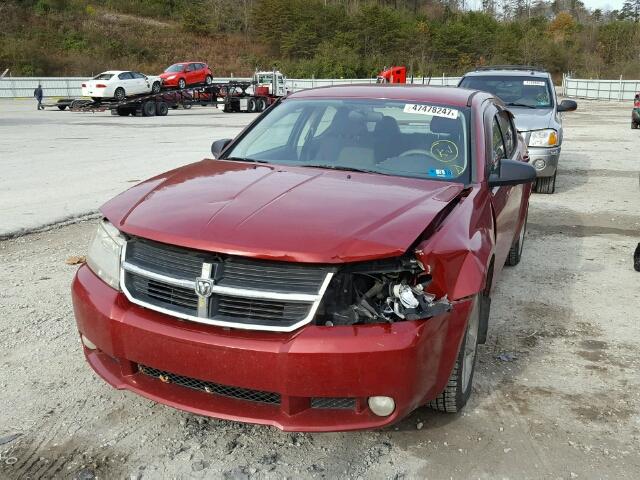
88, 343
382, 406
539, 163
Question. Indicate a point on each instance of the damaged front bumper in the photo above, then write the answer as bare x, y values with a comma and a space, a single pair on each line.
317, 378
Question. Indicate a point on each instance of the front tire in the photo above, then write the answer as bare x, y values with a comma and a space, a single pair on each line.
546, 184
182, 83
458, 390
515, 253
119, 94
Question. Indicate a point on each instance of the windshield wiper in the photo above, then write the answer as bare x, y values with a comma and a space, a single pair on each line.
241, 159
338, 167
516, 104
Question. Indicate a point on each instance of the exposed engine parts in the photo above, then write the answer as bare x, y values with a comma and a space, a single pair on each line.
378, 292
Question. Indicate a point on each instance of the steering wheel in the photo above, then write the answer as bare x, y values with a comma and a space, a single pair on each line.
416, 151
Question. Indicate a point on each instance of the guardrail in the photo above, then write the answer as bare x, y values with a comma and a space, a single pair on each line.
17, 87
620, 90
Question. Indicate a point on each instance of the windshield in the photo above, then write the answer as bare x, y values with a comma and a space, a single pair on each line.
381, 136
178, 67
103, 76
518, 91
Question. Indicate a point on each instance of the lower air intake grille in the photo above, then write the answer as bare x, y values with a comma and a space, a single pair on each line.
214, 388
333, 403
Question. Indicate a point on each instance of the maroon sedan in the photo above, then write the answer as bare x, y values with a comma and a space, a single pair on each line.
331, 269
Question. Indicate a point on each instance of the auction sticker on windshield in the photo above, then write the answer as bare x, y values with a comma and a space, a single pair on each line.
431, 110
534, 83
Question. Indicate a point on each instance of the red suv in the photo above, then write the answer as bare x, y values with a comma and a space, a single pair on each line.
184, 74
331, 269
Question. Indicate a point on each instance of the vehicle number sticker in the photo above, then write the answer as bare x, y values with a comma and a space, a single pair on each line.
440, 172
534, 83
431, 110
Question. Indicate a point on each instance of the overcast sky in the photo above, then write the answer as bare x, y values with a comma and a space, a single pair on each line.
590, 4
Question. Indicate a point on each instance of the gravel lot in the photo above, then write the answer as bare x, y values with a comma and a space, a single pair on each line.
563, 402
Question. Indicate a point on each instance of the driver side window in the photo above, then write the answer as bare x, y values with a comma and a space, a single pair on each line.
497, 147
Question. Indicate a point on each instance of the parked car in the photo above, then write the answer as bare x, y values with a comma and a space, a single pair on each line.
529, 93
635, 113
120, 84
331, 269
185, 74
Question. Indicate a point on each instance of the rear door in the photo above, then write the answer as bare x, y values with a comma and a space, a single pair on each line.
506, 200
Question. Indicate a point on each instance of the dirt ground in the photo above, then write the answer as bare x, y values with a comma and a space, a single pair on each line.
557, 389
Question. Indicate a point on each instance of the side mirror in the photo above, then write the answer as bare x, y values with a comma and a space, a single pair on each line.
567, 106
218, 146
512, 172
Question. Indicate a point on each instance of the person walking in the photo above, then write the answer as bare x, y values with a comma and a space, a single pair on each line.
37, 93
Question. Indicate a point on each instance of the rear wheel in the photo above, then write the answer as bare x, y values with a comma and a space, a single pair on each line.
251, 105
162, 109
208, 80
149, 109
182, 83
261, 104
516, 249
546, 184
119, 94
458, 390
155, 88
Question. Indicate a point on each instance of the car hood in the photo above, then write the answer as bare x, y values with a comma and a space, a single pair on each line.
281, 213
532, 119
168, 74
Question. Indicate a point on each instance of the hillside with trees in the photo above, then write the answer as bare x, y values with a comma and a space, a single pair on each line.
321, 38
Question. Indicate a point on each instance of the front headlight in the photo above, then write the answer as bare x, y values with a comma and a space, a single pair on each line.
104, 254
543, 138
171, 77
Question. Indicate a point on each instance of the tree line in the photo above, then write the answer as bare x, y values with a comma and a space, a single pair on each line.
321, 38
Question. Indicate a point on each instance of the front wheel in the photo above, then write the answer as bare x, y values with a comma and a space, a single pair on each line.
182, 83
515, 253
458, 390
546, 184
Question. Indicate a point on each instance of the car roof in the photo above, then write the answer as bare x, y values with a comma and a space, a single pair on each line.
507, 73
420, 93
114, 72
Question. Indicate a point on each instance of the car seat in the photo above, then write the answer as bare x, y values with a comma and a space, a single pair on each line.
387, 139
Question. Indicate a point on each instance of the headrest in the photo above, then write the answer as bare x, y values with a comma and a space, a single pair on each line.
444, 125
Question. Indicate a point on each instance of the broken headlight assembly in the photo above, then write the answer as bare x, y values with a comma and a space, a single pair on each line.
383, 291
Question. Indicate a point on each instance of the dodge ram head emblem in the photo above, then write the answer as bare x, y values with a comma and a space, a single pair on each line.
204, 287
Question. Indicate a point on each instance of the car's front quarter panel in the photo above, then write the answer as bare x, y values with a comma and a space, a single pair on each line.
459, 253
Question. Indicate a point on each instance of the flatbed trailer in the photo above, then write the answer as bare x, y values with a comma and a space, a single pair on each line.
231, 96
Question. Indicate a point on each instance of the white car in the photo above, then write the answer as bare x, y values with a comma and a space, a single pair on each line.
120, 84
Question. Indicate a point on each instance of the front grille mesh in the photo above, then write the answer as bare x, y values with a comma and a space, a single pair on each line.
266, 278
213, 388
333, 403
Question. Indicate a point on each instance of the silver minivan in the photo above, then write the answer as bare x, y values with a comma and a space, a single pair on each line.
529, 93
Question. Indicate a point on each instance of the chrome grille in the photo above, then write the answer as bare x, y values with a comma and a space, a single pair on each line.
246, 293
213, 388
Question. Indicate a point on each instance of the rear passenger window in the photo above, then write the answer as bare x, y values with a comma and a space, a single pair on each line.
125, 76
508, 133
